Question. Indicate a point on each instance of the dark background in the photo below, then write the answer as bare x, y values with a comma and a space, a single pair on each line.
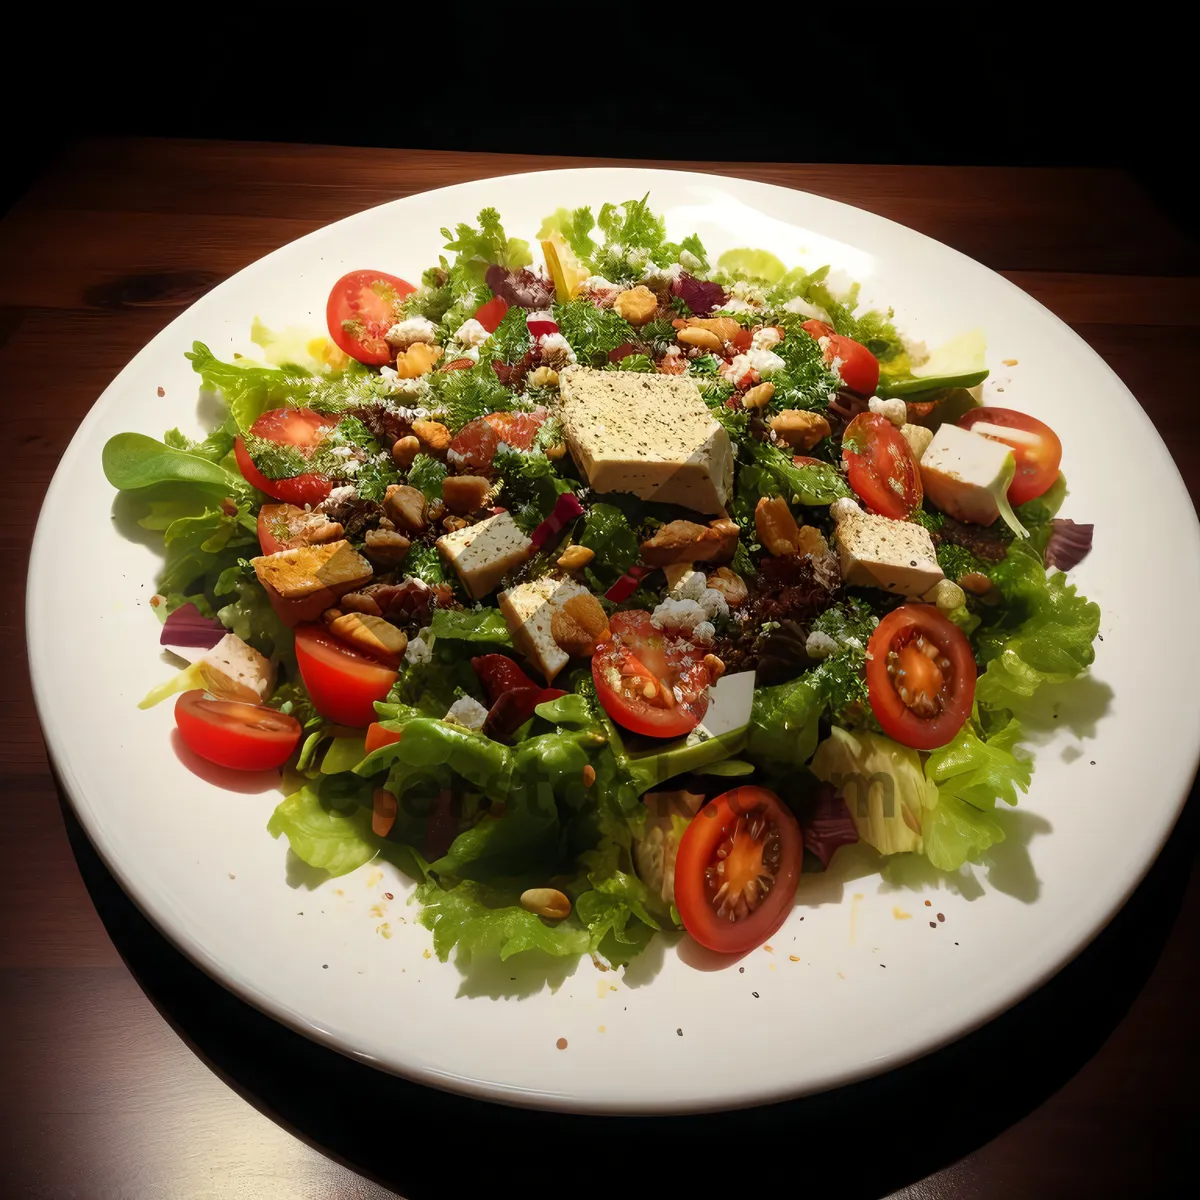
874, 85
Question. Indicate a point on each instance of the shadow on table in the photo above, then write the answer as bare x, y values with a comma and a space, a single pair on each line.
867, 1140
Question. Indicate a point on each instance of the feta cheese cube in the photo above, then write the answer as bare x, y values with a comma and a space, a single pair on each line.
897, 556
483, 554
467, 712
967, 476
529, 611
235, 671
648, 435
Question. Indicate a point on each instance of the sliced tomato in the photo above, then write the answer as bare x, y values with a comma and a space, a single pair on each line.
920, 676
647, 681
490, 315
475, 445
344, 684
298, 427
881, 466
737, 870
232, 733
362, 307
1034, 445
459, 364
541, 327
856, 365
378, 737
818, 329
518, 429
742, 340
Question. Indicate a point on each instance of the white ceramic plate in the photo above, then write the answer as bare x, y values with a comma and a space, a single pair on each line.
853, 984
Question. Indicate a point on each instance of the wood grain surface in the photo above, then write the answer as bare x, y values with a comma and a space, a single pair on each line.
124, 1072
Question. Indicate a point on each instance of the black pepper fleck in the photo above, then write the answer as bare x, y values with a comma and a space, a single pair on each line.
932, 924
741, 970
755, 995
679, 1032
324, 966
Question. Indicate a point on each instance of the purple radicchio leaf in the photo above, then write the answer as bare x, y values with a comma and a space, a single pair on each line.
189, 634
699, 295
1070, 543
522, 288
830, 825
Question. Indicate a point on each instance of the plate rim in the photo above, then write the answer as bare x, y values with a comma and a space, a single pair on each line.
1186, 766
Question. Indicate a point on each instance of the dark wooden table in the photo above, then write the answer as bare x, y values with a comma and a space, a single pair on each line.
126, 1073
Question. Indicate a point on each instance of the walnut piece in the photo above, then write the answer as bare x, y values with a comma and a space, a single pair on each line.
386, 546
686, 541
702, 339
464, 494
433, 436
404, 451
417, 360
405, 507
731, 585
759, 396
799, 429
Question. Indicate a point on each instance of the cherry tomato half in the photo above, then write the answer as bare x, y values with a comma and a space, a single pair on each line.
857, 366
490, 315
298, 427
1034, 445
344, 684
818, 329
637, 672
232, 733
737, 870
362, 307
881, 467
518, 429
920, 676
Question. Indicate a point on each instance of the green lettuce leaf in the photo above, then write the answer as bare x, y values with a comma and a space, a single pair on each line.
607, 531
484, 626
330, 838
980, 772
770, 472
251, 617
576, 228
784, 723
591, 331
133, 461
477, 249
1042, 634
953, 832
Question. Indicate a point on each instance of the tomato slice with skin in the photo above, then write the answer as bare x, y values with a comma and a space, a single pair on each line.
737, 870
920, 676
881, 467
490, 315
299, 427
474, 446
234, 734
1034, 445
343, 683
362, 307
518, 429
459, 364
858, 368
818, 329
637, 672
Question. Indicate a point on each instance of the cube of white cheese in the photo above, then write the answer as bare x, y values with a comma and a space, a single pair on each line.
897, 556
967, 475
483, 554
235, 671
730, 701
467, 712
649, 435
529, 610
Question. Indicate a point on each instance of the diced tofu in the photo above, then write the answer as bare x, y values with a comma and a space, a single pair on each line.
649, 435
529, 610
467, 712
897, 556
967, 476
483, 554
236, 671
917, 437
302, 583
730, 700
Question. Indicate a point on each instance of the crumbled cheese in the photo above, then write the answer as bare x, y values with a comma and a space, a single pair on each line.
820, 645
661, 277
749, 293
418, 651
471, 333
739, 365
402, 387
596, 285
678, 616
843, 509
765, 362
737, 304
691, 586
467, 712
714, 603
704, 632
336, 497
412, 329
766, 338
894, 410
814, 312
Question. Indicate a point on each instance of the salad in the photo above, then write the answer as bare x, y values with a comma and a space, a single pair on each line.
605, 588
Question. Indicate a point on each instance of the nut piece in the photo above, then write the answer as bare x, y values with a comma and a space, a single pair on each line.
702, 339
435, 510
464, 494
580, 625
360, 602
637, 305
812, 541
546, 902
725, 328
731, 585
574, 557
544, 377
716, 668
386, 546
759, 396
373, 635
978, 584
404, 451
589, 775
799, 429
454, 524
405, 507
433, 436
686, 542
417, 360
776, 527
